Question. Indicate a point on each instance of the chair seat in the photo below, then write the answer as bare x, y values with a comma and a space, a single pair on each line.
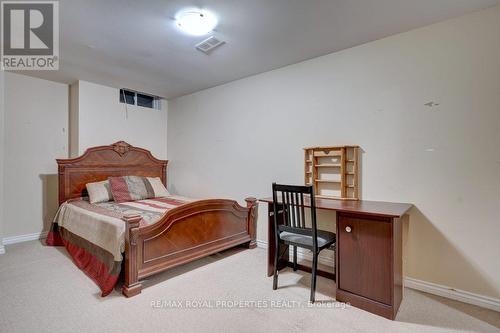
325, 238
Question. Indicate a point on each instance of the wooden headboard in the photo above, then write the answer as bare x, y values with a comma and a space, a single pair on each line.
99, 163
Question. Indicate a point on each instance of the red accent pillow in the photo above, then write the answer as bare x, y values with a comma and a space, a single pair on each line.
131, 188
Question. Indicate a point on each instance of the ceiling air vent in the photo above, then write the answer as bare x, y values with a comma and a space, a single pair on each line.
209, 44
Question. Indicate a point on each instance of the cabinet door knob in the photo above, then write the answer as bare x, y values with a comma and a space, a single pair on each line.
348, 229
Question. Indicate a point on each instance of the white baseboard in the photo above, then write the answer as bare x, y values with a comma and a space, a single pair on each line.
261, 244
2, 249
24, 238
428, 287
452, 293
303, 254
307, 255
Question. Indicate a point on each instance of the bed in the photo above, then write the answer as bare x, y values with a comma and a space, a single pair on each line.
157, 234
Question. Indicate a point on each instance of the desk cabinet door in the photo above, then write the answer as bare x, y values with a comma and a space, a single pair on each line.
365, 256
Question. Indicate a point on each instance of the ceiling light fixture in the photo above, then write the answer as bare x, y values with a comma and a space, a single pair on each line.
196, 22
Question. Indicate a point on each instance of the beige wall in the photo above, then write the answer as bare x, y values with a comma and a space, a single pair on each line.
236, 139
2, 139
100, 119
73, 119
36, 122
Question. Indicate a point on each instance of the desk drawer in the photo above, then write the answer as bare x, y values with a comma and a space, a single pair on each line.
365, 257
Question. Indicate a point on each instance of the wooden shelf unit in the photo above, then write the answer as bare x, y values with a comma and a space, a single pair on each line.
334, 171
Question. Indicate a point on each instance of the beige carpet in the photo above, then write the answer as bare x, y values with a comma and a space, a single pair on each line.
42, 291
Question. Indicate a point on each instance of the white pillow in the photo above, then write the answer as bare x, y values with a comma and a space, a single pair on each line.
99, 192
158, 188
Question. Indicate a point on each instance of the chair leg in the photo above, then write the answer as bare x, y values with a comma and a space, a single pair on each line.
275, 275
294, 258
335, 261
313, 277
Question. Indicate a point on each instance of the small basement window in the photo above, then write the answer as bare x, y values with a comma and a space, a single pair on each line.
128, 96
140, 99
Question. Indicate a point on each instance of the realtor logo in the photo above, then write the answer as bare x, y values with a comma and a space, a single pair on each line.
30, 35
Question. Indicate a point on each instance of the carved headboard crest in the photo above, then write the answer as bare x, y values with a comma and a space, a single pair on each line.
121, 147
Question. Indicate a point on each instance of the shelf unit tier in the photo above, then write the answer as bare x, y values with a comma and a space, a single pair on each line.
327, 181
328, 165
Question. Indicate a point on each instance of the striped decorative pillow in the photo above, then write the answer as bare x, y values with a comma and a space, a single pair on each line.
99, 192
131, 188
159, 189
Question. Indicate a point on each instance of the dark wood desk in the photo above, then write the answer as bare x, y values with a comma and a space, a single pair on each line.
368, 253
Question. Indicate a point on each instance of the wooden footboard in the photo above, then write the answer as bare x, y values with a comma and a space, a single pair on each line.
184, 234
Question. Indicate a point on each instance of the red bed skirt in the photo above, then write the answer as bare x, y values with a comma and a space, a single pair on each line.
88, 263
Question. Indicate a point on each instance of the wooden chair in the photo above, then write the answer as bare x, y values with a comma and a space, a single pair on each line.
288, 203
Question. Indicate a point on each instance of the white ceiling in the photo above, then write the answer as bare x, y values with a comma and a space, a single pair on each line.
135, 44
